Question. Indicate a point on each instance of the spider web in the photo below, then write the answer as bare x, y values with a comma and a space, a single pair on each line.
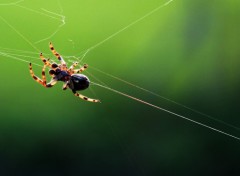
57, 16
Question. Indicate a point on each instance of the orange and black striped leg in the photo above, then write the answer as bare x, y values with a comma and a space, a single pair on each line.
84, 67
51, 83
34, 76
45, 61
71, 69
44, 75
57, 54
45, 84
43, 80
85, 98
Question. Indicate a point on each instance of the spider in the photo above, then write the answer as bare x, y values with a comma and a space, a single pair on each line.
59, 72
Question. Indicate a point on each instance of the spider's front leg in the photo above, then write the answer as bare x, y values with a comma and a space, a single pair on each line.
58, 56
43, 80
45, 61
53, 66
85, 98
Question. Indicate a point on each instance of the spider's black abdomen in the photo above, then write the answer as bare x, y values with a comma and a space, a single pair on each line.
79, 82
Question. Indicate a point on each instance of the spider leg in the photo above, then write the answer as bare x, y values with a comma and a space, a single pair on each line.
43, 80
84, 67
45, 84
57, 55
70, 70
44, 75
34, 76
85, 98
46, 61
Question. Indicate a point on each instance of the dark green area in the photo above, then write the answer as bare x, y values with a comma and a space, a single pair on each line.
188, 52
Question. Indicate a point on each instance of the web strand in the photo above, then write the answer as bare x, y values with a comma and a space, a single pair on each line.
128, 26
63, 22
16, 58
165, 110
22, 36
47, 13
162, 97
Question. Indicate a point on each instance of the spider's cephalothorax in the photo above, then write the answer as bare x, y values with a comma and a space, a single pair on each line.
71, 77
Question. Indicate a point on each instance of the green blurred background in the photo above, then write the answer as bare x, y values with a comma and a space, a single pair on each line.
187, 51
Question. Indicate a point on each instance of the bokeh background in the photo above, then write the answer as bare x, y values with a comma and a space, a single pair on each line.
187, 51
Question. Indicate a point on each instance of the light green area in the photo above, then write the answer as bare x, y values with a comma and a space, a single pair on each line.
187, 51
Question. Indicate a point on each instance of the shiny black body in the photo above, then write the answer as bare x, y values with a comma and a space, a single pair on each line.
78, 82
75, 81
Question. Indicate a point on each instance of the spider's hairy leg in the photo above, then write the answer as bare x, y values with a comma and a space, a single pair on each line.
43, 80
84, 67
51, 83
57, 54
45, 61
70, 70
85, 98
44, 75
34, 76
45, 84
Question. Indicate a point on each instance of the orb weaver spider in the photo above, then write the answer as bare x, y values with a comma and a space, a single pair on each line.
59, 72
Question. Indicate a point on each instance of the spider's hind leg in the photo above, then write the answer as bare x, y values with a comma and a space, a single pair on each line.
45, 61
85, 98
